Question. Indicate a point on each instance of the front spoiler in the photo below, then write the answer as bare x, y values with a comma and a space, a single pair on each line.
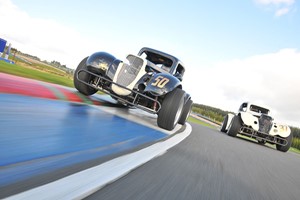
264, 136
131, 100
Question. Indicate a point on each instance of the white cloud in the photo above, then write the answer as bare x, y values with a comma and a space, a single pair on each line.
280, 7
51, 40
281, 12
44, 38
275, 2
271, 79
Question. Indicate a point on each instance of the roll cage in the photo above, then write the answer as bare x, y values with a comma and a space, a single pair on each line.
253, 108
167, 62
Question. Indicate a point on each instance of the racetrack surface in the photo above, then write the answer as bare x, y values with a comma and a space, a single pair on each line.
49, 132
206, 165
211, 165
40, 136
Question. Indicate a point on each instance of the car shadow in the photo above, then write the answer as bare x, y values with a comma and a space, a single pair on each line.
251, 140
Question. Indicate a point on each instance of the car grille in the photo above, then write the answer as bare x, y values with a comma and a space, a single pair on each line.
129, 71
265, 123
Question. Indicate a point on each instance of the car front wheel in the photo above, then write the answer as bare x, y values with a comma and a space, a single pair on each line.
287, 146
81, 87
171, 109
234, 126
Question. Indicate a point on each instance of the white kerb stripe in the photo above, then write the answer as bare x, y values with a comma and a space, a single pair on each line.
84, 183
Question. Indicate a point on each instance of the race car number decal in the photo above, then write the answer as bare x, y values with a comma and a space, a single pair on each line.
160, 81
282, 128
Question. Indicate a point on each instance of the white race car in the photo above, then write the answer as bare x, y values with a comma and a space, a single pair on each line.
254, 121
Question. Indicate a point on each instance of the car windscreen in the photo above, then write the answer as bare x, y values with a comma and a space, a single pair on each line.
259, 109
159, 59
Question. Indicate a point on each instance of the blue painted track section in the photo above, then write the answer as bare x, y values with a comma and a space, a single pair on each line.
39, 135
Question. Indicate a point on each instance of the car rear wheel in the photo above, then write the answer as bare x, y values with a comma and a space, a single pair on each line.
81, 87
234, 126
171, 109
286, 147
186, 112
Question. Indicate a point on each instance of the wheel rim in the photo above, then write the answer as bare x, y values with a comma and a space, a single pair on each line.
178, 114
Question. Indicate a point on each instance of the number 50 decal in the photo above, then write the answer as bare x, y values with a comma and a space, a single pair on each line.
160, 81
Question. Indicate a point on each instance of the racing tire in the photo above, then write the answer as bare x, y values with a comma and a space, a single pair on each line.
224, 124
234, 126
286, 147
186, 112
81, 87
261, 142
171, 109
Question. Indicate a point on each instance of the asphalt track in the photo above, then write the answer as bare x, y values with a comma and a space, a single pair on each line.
60, 134
206, 165
211, 165
46, 140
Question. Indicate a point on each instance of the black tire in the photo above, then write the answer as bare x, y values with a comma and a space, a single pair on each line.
171, 109
261, 142
186, 112
224, 124
81, 87
286, 147
234, 126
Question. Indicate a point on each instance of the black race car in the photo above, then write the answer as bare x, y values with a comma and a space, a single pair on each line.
150, 81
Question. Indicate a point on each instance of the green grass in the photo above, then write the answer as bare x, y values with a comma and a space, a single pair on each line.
296, 143
292, 149
52, 70
35, 74
40, 66
197, 121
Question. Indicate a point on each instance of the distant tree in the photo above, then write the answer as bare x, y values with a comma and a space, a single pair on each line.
55, 63
14, 49
214, 114
295, 131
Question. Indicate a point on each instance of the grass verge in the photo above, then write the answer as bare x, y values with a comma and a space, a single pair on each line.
197, 121
292, 149
34, 74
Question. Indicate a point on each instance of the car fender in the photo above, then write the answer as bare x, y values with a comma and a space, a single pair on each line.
229, 120
280, 129
102, 63
162, 83
250, 120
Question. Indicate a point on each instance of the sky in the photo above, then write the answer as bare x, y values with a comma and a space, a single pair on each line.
233, 51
